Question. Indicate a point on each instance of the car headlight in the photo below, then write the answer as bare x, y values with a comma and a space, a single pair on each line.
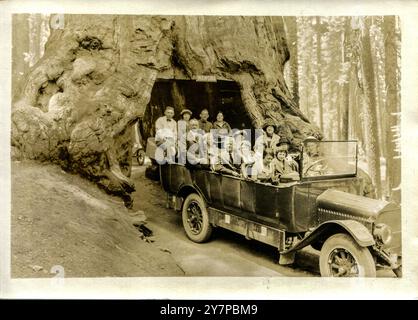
382, 233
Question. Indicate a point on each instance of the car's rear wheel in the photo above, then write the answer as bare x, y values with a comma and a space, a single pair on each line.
140, 157
341, 256
196, 219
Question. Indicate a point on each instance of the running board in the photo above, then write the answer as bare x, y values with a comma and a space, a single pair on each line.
247, 228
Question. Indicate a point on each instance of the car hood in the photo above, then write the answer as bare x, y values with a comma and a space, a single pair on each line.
352, 204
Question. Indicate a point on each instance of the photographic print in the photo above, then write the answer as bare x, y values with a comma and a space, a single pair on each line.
206, 146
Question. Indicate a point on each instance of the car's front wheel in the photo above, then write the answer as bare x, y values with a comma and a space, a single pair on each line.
341, 256
196, 219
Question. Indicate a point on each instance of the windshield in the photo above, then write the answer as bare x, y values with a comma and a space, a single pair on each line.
329, 158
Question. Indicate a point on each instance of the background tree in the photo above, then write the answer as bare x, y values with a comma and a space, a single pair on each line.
393, 160
349, 73
367, 70
30, 33
319, 31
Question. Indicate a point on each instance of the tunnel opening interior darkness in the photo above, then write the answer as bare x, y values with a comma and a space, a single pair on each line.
216, 96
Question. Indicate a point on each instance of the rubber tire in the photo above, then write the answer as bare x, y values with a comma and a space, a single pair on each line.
140, 157
153, 172
362, 255
206, 231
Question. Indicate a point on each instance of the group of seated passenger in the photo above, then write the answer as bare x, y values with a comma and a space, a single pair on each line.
214, 146
274, 166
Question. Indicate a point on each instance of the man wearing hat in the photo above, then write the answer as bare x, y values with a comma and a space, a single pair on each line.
166, 135
269, 139
182, 129
312, 166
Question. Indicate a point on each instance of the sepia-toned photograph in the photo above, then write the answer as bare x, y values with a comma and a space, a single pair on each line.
228, 150
145, 145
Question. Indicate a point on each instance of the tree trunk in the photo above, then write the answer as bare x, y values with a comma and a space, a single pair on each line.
372, 138
393, 164
319, 73
292, 43
20, 64
339, 121
94, 82
345, 90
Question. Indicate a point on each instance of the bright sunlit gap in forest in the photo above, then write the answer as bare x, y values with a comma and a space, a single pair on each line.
344, 72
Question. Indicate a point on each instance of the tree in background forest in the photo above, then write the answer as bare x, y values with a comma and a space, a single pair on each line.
348, 80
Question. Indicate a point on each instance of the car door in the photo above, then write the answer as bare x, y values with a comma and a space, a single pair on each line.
248, 196
267, 207
231, 189
214, 181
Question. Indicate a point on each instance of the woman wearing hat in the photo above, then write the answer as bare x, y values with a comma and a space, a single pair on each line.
283, 165
262, 170
269, 139
182, 129
183, 123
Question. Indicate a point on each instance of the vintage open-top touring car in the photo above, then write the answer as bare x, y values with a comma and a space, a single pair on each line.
324, 207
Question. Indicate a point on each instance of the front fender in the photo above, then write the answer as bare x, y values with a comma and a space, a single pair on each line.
357, 230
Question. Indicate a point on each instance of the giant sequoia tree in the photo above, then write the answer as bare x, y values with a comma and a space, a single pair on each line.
80, 100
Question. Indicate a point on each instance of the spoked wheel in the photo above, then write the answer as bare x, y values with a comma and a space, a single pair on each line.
341, 256
195, 219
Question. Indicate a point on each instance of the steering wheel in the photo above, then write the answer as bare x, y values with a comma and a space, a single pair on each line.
315, 163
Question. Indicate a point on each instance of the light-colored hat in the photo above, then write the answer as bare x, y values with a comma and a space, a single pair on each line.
185, 111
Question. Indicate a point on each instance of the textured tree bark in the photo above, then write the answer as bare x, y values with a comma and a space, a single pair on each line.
292, 42
372, 139
345, 91
20, 30
81, 99
319, 75
393, 164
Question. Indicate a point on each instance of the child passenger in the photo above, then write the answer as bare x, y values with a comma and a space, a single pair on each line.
261, 170
269, 139
282, 164
196, 145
